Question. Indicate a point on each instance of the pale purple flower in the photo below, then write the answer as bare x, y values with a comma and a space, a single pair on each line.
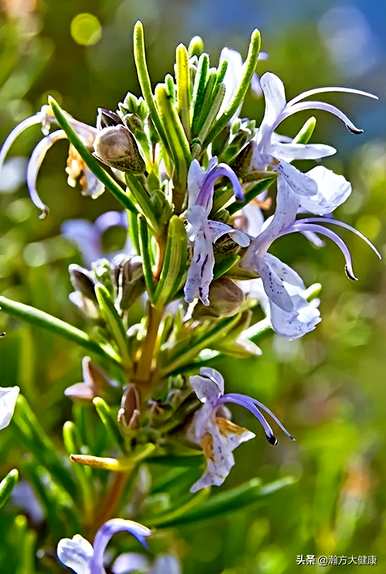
203, 232
88, 236
8, 398
217, 435
320, 190
83, 558
76, 168
291, 314
130, 562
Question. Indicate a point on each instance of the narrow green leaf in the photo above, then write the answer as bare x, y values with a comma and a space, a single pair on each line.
206, 103
222, 70
173, 126
57, 326
7, 485
142, 199
144, 81
113, 321
176, 515
174, 263
83, 475
247, 494
186, 351
109, 421
211, 114
103, 176
238, 98
25, 540
145, 251
199, 86
133, 231
41, 445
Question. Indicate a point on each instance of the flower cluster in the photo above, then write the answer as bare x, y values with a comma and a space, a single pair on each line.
194, 180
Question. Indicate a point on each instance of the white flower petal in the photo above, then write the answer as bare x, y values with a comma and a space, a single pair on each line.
332, 190
274, 94
76, 553
208, 385
232, 76
220, 440
273, 285
195, 178
292, 151
300, 183
8, 398
166, 565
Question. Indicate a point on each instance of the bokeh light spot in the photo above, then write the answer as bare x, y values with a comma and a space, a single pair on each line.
86, 29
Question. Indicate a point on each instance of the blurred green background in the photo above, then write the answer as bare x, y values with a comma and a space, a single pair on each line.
329, 388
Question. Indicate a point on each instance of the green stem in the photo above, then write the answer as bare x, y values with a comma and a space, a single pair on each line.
55, 325
145, 362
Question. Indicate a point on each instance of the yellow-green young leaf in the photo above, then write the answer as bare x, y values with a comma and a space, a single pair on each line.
174, 264
305, 133
25, 541
125, 464
183, 87
196, 46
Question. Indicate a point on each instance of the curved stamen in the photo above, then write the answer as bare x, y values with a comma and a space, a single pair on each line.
330, 89
266, 409
19, 129
252, 408
323, 106
34, 164
300, 227
205, 194
344, 225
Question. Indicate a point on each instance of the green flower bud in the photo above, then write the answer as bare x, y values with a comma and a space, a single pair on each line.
116, 147
225, 299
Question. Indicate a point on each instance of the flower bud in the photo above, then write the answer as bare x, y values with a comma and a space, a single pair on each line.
129, 281
225, 299
116, 147
82, 281
128, 413
107, 118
